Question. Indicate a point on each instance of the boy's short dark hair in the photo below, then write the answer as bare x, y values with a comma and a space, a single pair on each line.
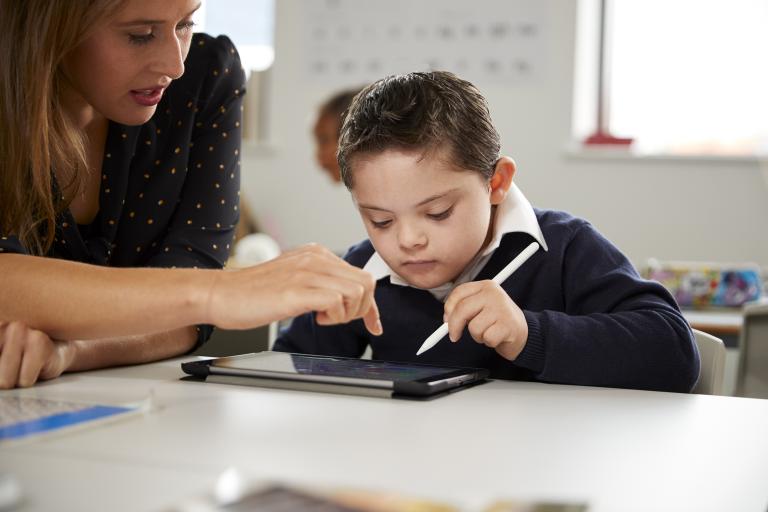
420, 111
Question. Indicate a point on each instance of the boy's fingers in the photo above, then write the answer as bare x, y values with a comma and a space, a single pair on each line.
495, 335
460, 293
462, 314
478, 326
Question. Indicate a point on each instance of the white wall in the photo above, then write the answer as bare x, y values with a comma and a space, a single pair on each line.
671, 209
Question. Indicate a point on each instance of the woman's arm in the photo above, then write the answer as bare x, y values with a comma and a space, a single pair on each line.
29, 355
69, 300
91, 354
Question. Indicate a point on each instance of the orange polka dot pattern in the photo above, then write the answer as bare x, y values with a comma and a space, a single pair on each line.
169, 188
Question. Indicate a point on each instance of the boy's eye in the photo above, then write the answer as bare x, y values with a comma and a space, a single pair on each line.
380, 225
442, 215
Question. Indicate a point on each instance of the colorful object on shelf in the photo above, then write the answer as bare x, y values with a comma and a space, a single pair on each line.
704, 285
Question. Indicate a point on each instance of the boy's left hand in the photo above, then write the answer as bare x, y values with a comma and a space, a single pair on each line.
491, 316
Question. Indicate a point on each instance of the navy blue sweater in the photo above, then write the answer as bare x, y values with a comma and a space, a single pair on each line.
591, 319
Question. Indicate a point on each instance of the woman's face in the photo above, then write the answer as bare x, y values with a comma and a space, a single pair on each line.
122, 69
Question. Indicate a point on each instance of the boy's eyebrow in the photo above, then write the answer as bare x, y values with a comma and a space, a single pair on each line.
138, 22
420, 203
436, 196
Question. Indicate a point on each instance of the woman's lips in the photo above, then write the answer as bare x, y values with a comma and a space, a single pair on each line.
147, 97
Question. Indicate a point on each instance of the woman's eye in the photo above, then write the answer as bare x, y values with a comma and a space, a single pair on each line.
185, 27
442, 215
140, 39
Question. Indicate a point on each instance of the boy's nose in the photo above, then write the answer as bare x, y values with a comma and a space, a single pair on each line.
411, 238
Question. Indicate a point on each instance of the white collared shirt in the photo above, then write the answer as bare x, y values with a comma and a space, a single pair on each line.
514, 214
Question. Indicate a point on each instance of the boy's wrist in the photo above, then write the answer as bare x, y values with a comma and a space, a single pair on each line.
533, 354
510, 349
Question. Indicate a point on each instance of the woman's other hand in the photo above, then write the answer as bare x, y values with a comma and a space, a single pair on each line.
28, 355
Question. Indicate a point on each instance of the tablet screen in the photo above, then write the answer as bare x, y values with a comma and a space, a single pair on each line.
331, 366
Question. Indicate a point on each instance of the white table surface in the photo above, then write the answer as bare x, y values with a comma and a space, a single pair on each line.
618, 450
726, 319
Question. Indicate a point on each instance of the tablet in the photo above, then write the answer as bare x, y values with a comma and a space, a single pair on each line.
335, 374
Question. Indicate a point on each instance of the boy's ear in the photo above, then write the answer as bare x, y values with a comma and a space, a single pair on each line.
502, 179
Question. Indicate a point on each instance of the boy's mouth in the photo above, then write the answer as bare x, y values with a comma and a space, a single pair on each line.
419, 266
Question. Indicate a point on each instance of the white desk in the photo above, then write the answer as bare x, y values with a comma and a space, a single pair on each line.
619, 450
716, 322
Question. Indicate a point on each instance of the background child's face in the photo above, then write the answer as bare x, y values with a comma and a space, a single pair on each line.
426, 219
326, 132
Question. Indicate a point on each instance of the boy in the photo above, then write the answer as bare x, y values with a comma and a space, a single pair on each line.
419, 154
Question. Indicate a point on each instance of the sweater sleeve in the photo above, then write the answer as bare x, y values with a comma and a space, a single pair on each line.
305, 336
617, 329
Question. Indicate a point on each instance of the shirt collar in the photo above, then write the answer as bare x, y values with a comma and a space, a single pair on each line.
514, 215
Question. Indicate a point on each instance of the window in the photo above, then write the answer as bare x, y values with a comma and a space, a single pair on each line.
250, 25
686, 76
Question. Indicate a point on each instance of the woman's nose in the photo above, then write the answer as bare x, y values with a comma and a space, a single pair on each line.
170, 61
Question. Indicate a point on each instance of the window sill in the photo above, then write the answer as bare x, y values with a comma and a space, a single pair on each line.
575, 151
258, 149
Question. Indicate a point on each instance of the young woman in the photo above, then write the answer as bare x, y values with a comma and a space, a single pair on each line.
119, 178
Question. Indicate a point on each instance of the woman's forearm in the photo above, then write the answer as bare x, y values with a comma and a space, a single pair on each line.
69, 300
90, 354
75, 301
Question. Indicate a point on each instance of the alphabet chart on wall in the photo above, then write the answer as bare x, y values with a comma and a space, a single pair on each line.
482, 40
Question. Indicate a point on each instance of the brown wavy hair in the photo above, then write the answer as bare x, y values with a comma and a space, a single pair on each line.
37, 138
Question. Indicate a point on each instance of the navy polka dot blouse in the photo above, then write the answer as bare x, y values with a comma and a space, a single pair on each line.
170, 187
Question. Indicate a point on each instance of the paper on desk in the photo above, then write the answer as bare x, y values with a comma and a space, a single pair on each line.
23, 417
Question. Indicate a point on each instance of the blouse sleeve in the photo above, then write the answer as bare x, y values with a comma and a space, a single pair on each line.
10, 244
203, 226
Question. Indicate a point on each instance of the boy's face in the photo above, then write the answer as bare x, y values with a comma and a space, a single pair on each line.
426, 219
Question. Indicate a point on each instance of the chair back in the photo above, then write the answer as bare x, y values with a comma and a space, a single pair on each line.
752, 375
712, 356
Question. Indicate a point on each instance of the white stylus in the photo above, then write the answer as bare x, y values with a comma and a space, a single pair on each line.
500, 278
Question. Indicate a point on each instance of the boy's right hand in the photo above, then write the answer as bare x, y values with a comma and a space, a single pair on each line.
491, 316
310, 278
